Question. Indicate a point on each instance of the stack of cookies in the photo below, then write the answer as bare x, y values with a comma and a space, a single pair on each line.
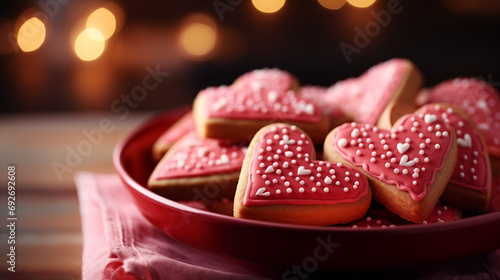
377, 150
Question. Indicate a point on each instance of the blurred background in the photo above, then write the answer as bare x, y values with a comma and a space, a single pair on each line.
73, 55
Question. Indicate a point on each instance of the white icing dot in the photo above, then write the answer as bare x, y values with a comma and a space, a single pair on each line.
293, 161
346, 189
415, 175
269, 141
405, 171
387, 165
327, 180
278, 191
313, 189
289, 190
318, 184
275, 180
301, 190
372, 160
474, 177
355, 133
332, 171
358, 152
462, 175
269, 148
342, 142
267, 182
396, 170
287, 184
472, 170
262, 165
422, 145
437, 146
353, 142
347, 179
415, 182
326, 190
426, 160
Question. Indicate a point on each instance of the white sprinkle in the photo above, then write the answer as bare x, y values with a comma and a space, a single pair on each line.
342, 142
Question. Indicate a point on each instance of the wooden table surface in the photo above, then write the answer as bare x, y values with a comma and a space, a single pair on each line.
47, 150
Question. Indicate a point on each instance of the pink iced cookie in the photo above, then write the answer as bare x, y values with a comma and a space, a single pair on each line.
182, 127
237, 112
369, 222
478, 99
408, 167
443, 213
470, 184
365, 98
317, 94
198, 168
267, 78
282, 182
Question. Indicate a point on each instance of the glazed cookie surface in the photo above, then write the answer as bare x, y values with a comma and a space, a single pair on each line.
470, 184
167, 139
364, 98
193, 164
282, 182
478, 99
236, 112
408, 166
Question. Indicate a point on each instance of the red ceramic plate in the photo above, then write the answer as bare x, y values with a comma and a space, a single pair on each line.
282, 245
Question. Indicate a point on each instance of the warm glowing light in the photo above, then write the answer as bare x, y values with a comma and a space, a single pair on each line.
103, 20
332, 4
31, 35
361, 3
198, 38
268, 6
89, 44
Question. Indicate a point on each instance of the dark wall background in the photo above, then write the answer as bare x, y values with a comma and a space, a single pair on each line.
303, 38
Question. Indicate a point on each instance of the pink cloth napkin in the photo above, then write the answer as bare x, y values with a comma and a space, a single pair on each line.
119, 243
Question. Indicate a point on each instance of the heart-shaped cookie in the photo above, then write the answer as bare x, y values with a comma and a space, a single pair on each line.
282, 182
195, 168
478, 99
470, 184
408, 167
178, 130
317, 94
237, 112
267, 78
364, 98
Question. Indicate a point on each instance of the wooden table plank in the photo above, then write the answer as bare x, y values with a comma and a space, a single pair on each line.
48, 229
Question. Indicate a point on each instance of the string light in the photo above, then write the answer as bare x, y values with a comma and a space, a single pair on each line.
361, 3
268, 6
332, 4
31, 35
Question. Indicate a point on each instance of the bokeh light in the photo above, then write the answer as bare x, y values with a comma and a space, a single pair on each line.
31, 35
103, 20
89, 44
332, 4
268, 6
361, 3
198, 36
